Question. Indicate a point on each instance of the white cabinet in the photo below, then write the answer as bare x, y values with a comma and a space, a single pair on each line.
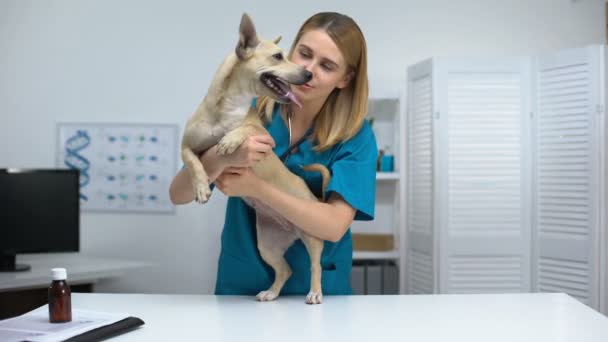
505, 174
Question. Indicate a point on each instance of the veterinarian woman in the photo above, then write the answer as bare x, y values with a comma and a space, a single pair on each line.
330, 128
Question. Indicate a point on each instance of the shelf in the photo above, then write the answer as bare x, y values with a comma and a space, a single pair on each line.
387, 175
368, 255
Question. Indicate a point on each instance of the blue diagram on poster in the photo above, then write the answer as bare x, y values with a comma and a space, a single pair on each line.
123, 167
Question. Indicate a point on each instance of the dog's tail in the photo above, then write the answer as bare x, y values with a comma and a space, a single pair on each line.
324, 173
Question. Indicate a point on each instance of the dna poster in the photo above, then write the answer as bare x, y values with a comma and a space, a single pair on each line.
123, 167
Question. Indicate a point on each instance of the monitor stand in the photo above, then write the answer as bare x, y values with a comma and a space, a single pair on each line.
8, 263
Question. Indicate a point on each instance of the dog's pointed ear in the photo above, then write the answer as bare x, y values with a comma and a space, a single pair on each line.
277, 40
248, 38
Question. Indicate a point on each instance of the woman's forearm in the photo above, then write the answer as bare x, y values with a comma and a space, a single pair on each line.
328, 221
181, 190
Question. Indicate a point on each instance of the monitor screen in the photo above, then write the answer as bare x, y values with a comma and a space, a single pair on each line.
39, 212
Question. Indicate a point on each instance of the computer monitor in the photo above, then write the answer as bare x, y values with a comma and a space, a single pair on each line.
39, 212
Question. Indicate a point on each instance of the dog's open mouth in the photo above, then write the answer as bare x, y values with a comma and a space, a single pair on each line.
280, 88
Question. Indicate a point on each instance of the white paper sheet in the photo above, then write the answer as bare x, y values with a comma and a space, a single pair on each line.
35, 325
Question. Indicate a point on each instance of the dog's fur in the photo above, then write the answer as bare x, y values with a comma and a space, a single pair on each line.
225, 118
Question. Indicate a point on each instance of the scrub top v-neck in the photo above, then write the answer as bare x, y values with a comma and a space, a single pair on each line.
241, 270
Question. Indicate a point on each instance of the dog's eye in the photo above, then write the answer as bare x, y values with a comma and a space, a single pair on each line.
278, 56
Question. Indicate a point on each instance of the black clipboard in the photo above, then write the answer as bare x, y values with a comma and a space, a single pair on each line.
107, 331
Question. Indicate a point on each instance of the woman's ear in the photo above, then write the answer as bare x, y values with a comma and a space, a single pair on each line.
346, 80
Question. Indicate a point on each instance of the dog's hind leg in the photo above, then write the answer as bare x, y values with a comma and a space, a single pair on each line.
200, 180
273, 241
315, 248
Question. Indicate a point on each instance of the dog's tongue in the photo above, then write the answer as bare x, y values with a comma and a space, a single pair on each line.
293, 98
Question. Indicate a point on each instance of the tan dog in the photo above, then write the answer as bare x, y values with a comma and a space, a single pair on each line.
275, 233
256, 68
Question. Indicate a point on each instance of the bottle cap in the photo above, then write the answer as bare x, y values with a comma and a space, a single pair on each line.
59, 273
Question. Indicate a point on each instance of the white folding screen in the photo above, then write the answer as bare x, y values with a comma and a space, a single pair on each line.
483, 188
420, 181
503, 166
567, 172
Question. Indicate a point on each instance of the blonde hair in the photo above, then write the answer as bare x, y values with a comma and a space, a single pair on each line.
344, 110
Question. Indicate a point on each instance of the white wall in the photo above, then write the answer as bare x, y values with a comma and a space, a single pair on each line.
152, 61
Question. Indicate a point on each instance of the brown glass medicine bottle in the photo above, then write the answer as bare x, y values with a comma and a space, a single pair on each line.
60, 297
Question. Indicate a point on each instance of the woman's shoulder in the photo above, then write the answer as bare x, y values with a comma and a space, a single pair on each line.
364, 136
366, 130
362, 145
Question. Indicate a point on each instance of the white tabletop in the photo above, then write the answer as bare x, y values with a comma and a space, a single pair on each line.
81, 269
501, 317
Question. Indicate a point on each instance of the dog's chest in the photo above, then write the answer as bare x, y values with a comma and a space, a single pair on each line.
271, 216
226, 122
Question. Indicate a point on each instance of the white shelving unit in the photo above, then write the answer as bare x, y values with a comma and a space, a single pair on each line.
365, 255
388, 128
385, 176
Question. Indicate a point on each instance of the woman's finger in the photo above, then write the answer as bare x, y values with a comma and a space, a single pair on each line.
264, 139
263, 148
235, 170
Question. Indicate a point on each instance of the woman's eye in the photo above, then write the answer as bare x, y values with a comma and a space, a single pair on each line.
304, 54
278, 56
327, 67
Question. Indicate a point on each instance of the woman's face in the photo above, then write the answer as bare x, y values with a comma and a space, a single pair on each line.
318, 53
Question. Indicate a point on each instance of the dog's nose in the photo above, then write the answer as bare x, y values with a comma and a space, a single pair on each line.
307, 75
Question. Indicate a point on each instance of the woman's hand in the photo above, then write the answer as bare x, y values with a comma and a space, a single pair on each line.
238, 182
251, 151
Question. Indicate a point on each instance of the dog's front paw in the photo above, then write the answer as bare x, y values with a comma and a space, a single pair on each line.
314, 297
202, 192
228, 144
266, 296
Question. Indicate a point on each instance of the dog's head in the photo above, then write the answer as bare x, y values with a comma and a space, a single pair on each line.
266, 66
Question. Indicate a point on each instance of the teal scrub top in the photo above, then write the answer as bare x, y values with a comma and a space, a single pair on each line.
241, 270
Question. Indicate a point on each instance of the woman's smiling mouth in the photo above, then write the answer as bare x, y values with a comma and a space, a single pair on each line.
305, 86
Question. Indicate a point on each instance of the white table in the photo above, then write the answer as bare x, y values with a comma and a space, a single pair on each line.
501, 317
